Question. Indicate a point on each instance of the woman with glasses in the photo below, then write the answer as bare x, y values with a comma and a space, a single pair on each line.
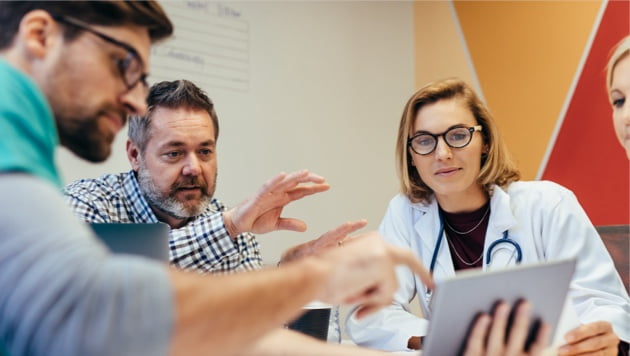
461, 206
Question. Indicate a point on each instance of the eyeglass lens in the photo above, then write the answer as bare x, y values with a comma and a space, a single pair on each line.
456, 137
132, 70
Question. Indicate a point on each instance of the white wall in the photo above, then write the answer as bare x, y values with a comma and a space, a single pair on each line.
318, 85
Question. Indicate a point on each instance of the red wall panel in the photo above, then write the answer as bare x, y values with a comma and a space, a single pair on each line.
586, 156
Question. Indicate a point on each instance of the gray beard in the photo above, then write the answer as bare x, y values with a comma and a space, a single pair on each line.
167, 204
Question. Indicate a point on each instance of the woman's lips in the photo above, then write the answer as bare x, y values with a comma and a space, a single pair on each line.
446, 171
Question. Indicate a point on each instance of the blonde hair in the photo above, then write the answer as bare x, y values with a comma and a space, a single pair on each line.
497, 166
620, 51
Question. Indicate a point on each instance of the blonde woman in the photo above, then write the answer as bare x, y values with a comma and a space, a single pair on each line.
461, 206
618, 85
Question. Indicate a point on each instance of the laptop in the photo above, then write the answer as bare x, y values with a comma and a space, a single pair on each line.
148, 240
457, 301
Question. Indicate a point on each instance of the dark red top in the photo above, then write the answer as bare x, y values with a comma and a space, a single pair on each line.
465, 234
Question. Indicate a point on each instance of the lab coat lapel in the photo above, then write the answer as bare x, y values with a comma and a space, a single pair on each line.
427, 227
501, 219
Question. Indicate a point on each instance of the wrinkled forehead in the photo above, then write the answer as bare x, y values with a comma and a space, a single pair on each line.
181, 121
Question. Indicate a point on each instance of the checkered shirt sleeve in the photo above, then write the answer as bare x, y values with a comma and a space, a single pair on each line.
202, 245
100, 200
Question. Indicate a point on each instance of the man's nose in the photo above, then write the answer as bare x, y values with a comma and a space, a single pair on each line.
192, 166
135, 100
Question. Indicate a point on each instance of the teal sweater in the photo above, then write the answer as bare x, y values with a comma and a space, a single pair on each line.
28, 135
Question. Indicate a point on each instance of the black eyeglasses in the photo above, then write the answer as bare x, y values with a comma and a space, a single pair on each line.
423, 143
131, 67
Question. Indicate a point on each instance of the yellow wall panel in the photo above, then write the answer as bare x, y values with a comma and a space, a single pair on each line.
438, 45
525, 56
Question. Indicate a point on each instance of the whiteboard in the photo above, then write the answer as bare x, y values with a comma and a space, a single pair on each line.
317, 85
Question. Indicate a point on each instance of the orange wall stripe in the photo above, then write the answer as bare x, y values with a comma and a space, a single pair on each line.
525, 54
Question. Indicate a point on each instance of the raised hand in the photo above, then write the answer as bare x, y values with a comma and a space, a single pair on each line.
261, 213
332, 238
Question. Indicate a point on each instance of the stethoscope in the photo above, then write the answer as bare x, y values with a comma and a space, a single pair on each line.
504, 240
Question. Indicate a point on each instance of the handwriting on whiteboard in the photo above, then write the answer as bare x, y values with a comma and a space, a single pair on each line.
210, 46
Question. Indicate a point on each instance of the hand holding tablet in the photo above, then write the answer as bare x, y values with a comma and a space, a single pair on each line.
496, 337
461, 308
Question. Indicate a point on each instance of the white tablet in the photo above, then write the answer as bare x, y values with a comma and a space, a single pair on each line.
457, 301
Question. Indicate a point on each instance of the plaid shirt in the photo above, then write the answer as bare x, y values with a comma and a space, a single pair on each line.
202, 245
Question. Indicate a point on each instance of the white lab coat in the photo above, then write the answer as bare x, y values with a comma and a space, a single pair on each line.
548, 223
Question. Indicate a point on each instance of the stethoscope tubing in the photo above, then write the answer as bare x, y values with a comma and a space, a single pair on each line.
494, 244
504, 239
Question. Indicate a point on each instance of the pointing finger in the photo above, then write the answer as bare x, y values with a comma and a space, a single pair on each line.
341, 232
405, 257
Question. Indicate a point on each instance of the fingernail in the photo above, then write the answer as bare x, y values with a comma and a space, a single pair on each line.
563, 350
525, 307
502, 310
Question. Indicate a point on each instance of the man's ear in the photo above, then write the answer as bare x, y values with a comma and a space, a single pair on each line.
133, 154
38, 33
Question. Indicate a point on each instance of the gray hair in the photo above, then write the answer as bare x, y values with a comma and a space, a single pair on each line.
171, 95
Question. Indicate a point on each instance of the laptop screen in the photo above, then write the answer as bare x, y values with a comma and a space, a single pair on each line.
148, 240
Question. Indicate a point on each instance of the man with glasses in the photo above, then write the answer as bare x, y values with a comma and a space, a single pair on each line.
70, 74
62, 292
